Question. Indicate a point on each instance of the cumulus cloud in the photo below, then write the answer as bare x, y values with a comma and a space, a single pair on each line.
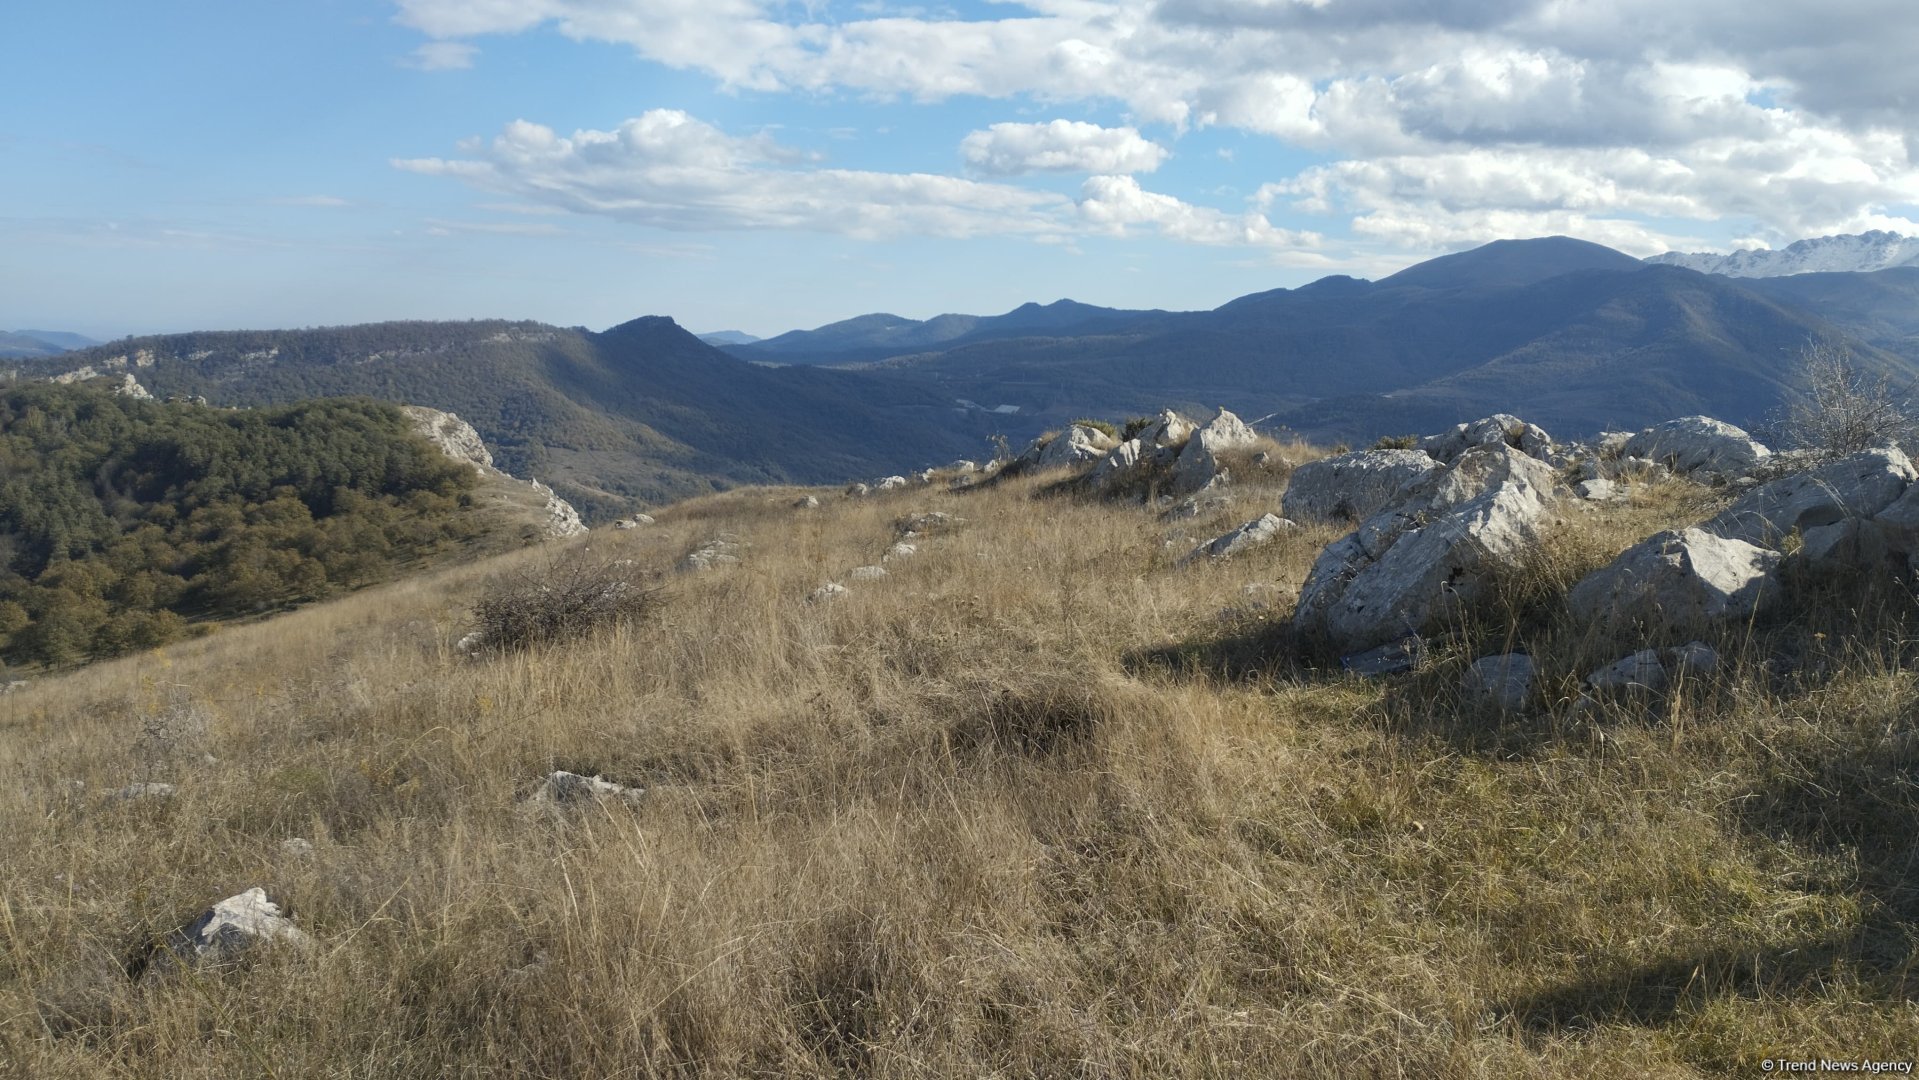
1060, 146
668, 170
1633, 119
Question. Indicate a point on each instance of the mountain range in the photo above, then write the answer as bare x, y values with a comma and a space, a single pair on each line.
17, 344
1569, 334
1858, 253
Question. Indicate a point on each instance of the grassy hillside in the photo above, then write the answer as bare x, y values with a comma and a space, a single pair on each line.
123, 521
1035, 804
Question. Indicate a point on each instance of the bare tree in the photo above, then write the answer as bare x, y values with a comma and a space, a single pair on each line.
1843, 409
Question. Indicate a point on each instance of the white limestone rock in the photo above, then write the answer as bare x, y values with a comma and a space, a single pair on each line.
1073, 446
1679, 577
563, 789
455, 437
720, 551
1410, 567
1355, 486
901, 550
228, 930
1496, 430
1858, 486
1698, 444
1198, 461
1254, 534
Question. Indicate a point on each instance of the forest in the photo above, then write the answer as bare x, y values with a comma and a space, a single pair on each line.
126, 522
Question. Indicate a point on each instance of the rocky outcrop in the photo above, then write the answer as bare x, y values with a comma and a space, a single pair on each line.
1496, 430
1677, 578
1698, 444
561, 519
1253, 534
1410, 567
1353, 487
1078, 443
455, 437
1858, 486
1198, 463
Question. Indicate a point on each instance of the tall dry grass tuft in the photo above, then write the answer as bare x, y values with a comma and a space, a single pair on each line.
1037, 803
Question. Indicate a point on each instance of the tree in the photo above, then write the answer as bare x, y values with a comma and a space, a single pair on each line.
1843, 409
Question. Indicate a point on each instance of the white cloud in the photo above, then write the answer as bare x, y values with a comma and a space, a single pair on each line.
1636, 119
1110, 204
443, 56
1060, 146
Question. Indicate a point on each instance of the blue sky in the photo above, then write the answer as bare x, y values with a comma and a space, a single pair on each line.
764, 165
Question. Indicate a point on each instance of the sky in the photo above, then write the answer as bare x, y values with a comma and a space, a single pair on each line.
765, 165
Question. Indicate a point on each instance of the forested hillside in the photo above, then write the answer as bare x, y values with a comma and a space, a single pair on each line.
122, 521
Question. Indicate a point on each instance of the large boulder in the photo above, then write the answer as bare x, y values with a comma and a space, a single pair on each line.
1411, 567
1676, 578
1504, 681
1857, 486
1076, 444
1168, 431
1693, 444
1355, 486
1495, 430
228, 929
1251, 535
1198, 461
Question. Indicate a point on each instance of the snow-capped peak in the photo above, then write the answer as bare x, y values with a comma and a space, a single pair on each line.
1862, 252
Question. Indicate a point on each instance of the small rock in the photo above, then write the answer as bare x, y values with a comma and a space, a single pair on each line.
963, 466
856, 491
1643, 670
297, 847
1694, 658
867, 573
562, 788
1506, 681
929, 521
470, 643
891, 483
807, 502
901, 550
225, 931
826, 592
1393, 658
145, 790
1599, 491
1253, 534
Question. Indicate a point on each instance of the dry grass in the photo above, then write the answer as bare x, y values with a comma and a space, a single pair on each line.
1036, 804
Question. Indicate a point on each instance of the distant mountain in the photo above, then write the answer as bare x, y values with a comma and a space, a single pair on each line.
728, 337
1880, 308
1863, 252
1504, 263
869, 338
642, 412
17, 344
1571, 335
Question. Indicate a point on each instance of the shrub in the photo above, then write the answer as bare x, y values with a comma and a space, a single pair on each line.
1137, 426
1397, 442
1842, 409
564, 599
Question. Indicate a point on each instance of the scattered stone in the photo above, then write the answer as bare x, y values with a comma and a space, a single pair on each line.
807, 502
1353, 487
227, 930
901, 550
1253, 534
929, 521
1506, 681
1698, 444
624, 524
828, 591
891, 483
1392, 658
721, 551
867, 573
297, 847
562, 788
1858, 486
1643, 670
1679, 577
145, 790
1413, 565
1200, 504
1695, 658
857, 491
1599, 491
963, 466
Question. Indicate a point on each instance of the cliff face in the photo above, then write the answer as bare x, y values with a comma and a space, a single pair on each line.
454, 436
458, 440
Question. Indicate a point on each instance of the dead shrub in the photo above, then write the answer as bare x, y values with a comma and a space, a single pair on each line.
562, 600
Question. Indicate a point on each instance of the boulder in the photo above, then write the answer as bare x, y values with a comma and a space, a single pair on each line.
1496, 430
1599, 491
1857, 486
1411, 567
1643, 670
1355, 486
1076, 444
890, 483
1123, 459
642, 519
1505, 681
1168, 431
1198, 461
1251, 535
1679, 577
1694, 444
228, 929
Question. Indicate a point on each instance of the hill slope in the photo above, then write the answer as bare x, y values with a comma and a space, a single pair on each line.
868, 338
642, 412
